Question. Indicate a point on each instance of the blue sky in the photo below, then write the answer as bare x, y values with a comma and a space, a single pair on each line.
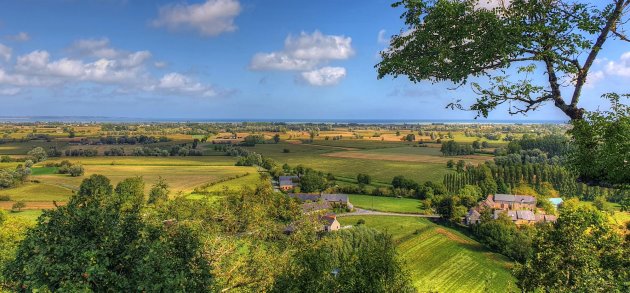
221, 59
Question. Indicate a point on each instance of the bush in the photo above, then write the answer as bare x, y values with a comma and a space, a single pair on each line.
364, 179
18, 206
76, 170
38, 154
286, 151
5, 198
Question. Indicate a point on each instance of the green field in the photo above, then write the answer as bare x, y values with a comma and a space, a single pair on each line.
38, 192
43, 170
27, 215
251, 180
387, 204
441, 259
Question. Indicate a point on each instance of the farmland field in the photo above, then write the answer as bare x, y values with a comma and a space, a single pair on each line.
322, 158
407, 154
386, 204
37, 192
441, 259
182, 174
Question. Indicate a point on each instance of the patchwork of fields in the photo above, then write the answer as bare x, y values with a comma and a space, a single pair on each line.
329, 157
441, 259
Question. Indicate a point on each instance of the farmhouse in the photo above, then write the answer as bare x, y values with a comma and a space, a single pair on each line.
288, 182
556, 201
512, 202
330, 222
521, 209
323, 200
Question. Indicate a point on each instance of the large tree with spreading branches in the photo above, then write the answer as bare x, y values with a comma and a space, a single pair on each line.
510, 43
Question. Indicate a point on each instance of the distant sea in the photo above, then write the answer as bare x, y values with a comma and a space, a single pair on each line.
101, 119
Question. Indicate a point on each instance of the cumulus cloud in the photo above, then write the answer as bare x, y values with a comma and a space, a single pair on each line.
178, 83
280, 61
19, 37
5, 52
99, 64
210, 18
305, 52
124, 70
160, 64
12, 91
620, 67
99, 48
382, 38
324, 76
593, 78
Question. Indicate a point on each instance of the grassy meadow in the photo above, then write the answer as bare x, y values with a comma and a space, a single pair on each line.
441, 259
387, 204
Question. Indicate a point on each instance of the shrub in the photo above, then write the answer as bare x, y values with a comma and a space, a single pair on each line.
18, 206
76, 170
5, 198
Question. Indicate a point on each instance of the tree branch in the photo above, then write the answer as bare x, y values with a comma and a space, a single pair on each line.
620, 35
581, 77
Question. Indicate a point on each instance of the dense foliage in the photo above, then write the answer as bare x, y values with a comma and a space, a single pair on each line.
100, 241
459, 40
355, 260
453, 148
109, 238
12, 178
581, 252
602, 145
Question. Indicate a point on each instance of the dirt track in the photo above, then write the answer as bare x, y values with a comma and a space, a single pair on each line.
31, 205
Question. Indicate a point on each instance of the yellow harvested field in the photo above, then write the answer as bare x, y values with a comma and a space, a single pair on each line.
152, 161
179, 178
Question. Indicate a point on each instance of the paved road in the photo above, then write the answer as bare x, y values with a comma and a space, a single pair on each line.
362, 212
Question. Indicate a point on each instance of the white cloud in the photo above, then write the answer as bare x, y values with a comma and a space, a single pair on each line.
160, 64
180, 84
280, 61
324, 76
99, 48
33, 61
12, 91
20, 37
93, 61
620, 67
126, 70
210, 18
305, 52
593, 78
318, 46
382, 38
5, 52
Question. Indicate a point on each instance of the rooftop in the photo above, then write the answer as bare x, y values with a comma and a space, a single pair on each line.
514, 198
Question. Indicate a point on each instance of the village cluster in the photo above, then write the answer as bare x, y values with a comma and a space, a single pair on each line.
521, 209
